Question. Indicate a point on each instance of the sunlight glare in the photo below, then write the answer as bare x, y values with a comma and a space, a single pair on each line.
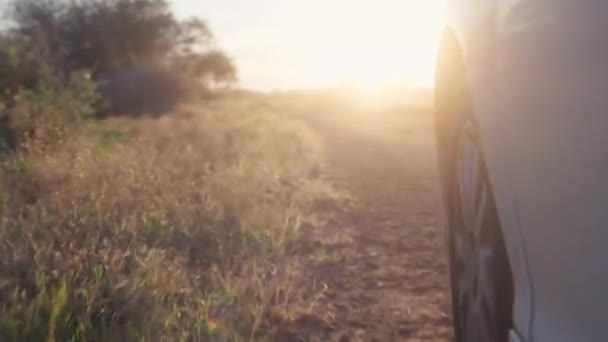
393, 43
280, 44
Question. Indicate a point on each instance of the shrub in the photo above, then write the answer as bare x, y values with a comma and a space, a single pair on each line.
139, 91
40, 116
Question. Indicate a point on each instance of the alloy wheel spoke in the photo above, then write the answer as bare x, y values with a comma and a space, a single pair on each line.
475, 259
463, 250
464, 197
486, 282
480, 214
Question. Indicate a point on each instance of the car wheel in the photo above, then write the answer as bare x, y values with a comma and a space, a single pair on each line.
480, 272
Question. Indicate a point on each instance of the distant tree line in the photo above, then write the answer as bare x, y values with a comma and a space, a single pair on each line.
141, 55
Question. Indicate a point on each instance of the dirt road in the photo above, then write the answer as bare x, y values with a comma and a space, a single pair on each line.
386, 273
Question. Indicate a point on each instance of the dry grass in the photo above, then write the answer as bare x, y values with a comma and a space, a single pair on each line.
179, 228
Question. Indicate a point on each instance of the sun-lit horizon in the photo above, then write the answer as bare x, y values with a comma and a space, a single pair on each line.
280, 44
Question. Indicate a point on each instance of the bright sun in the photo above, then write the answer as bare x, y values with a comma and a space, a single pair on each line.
397, 44
280, 44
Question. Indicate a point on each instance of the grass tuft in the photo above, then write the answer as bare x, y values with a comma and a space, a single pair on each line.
178, 228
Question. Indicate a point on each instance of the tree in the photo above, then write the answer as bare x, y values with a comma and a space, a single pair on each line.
213, 68
113, 38
109, 35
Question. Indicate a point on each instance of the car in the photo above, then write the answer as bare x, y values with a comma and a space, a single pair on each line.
521, 117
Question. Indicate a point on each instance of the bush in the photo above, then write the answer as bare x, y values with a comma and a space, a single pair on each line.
138, 91
42, 115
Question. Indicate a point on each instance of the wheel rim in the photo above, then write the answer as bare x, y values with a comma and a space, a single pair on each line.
474, 253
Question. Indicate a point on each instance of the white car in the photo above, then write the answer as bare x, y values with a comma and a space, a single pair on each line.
522, 125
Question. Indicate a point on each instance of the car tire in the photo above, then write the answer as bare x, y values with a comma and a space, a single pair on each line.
480, 273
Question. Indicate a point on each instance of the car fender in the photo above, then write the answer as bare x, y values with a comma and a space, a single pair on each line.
470, 31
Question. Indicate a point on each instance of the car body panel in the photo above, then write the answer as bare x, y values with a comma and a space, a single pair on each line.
472, 24
537, 71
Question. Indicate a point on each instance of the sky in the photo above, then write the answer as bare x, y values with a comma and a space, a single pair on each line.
287, 44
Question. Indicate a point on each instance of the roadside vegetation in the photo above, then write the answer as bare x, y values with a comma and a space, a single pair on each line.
180, 226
